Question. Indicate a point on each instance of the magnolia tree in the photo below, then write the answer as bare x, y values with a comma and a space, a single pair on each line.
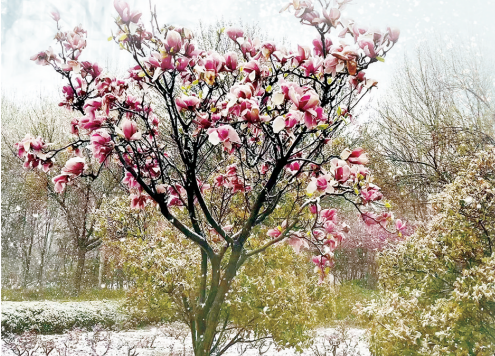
222, 143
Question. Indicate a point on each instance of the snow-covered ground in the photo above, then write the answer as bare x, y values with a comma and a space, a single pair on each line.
167, 341
172, 339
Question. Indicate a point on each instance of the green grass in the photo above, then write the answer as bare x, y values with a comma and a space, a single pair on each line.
345, 298
57, 294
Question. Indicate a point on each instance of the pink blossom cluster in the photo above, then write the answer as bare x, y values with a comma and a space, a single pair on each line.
31, 149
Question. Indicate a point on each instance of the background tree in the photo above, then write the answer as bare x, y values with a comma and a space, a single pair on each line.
438, 110
36, 220
439, 285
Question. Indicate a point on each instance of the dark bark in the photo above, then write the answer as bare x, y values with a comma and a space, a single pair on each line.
79, 272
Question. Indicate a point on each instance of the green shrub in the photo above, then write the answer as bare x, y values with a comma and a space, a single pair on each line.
55, 317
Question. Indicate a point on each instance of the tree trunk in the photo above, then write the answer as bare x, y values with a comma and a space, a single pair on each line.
101, 268
78, 275
27, 266
207, 321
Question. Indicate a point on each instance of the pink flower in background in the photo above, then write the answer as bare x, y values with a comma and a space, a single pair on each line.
400, 226
393, 34
328, 214
297, 243
55, 15
234, 33
125, 12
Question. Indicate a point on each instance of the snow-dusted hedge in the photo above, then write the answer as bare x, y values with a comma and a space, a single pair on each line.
56, 317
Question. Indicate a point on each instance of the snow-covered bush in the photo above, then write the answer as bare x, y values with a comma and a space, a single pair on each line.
439, 284
55, 317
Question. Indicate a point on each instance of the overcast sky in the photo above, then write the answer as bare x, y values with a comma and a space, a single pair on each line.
27, 28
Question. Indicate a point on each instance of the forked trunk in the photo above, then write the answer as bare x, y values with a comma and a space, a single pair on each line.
208, 321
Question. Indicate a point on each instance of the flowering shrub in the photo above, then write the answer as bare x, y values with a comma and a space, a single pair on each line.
57, 317
237, 144
439, 284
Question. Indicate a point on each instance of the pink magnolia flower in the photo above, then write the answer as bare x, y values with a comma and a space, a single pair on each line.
304, 99
60, 182
356, 156
125, 12
371, 194
318, 46
323, 265
250, 47
187, 102
131, 182
294, 167
312, 66
174, 201
55, 15
267, 49
328, 214
44, 58
369, 218
253, 71
74, 166
29, 143
91, 106
323, 183
297, 243
313, 208
225, 134
234, 33
400, 226
303, 53
367, 44
101, 145
331, 17
329, 227
264, 168
130, 130
231, 61
173, 42
91, 123
393, 34
275, 232
330, 245
139, 201
340, 170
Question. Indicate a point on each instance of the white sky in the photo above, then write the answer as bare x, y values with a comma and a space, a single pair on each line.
27, 29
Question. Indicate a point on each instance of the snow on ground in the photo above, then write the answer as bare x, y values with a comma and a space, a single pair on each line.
167, 341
